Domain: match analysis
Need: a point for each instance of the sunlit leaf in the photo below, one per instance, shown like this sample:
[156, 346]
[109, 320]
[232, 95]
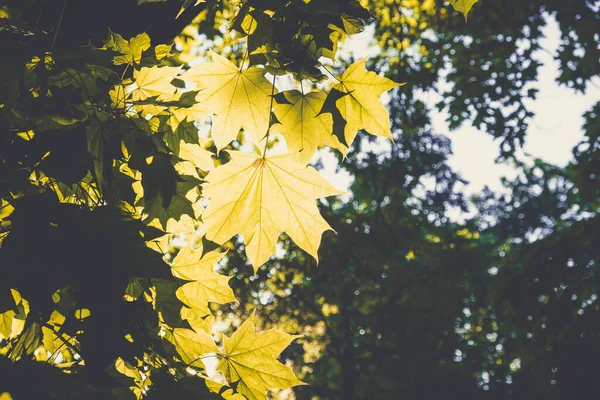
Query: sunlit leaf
[301, 124]
[362, 108]
[6, 319]
[132, 50]
[198, 156]
[191, 345]
[239, 99]
[206, 285]
[260, 198]
[463, 6]
[251, 361]
[153, 83]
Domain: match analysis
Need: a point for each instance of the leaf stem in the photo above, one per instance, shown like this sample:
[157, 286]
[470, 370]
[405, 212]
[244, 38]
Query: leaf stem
[124, 72]
[331, 73]
[246, 53]
[270, 117]
[62, 14]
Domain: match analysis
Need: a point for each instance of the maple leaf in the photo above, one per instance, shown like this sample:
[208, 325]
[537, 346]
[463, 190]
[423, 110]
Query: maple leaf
[177, 115]
[132, 50]
[153, 83]
[362, 108]
[118, 94]
[191, 345]
[302, 125]
[261, 197]
[463, 6]
[251, 360]
[239, 99]
[206, 285]
[198, 156]
[226, 392]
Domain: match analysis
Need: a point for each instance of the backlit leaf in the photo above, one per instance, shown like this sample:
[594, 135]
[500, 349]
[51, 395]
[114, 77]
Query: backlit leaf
[132, 50]
[301, 124]
[153, 83]
[6, 319]
[198, 156]
[191, 345]
[362, 108]
[239, 99]
[463, 6]
[251, 361]
[260, 198]
[206, 285]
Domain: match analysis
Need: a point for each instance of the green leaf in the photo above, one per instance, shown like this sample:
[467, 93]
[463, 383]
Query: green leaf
[132, 50]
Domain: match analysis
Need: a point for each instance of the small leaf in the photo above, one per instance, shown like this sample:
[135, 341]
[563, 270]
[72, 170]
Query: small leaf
[205, 284]
[154, 83]
[132, 50]
[362, 108]
[6, 319]
[302, 125]
[463, 6]
[251, 361]
[162, 50]
[82, 313]
[191, 345]
[198, 156]
[239, 99]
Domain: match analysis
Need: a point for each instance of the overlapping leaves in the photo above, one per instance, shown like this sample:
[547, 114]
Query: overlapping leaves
[143, 159]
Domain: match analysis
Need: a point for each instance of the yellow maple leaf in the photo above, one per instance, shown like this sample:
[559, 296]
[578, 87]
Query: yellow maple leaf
[118, 94]
[197, 155]
[303, 128]
[225, 391]
[361, 107]
[191, 345]
[206, 285]
[261, 197]
[463, 6]
[132, 50]
[153, 83]
[177, 115]
[239, 99]
[251, 360]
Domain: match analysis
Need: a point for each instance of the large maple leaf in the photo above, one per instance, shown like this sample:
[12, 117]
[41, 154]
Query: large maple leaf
[361, 107]
[302, 125]
[239, 99]
[261, 197]
[251, 361]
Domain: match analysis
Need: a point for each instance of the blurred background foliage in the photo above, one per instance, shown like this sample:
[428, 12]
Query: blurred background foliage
[406, 303]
